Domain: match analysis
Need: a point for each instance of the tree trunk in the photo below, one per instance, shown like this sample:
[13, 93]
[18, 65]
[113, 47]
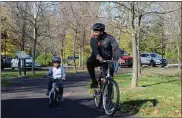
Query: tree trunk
[82, 58]
[138, 44]
[179, 63]
[83, 49]
[134, 48]
[74, 56]
[34, 44]
[62, 47]
[64, 54]
[120, 32]
[79, 56]
[139, 60]
[74, 40]
[23, 38]
[33, 54]
[24, 29]
[135, 62]
[179, 46]
[62, 62]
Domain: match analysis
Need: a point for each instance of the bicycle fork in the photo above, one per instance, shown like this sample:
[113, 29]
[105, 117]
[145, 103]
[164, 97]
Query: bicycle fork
[52, 91]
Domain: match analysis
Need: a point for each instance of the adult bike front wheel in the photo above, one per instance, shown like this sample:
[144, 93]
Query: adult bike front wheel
[52, 99]
[97, 97]
[111, 97]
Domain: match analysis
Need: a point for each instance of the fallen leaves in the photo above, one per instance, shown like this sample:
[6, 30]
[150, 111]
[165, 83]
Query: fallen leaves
[156, 111]
[177, 111]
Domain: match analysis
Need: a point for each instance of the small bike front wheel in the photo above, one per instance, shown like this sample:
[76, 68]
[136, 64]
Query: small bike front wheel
[111, 97]
[52, 99]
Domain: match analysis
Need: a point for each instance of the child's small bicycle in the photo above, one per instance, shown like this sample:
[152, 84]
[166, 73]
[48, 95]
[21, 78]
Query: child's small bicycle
[54, 96]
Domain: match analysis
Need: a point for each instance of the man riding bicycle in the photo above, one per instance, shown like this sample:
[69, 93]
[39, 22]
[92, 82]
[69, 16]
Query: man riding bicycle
[104, 46]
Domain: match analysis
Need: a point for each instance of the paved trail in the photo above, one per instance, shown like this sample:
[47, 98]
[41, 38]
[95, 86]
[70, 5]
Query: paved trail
[26, 99]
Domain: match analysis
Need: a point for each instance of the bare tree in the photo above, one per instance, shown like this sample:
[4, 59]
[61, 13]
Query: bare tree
[139, 13]
[79, 26]
[34, 20]
[172, 31]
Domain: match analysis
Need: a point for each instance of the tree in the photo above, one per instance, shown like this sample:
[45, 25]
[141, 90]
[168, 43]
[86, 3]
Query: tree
[34, 22]
[139, 13]
[78, 27]
[172, 31]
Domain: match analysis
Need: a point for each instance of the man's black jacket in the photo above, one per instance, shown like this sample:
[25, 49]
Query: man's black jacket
[105, 46]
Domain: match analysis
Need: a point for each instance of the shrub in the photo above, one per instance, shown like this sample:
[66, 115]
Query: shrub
[45, 59]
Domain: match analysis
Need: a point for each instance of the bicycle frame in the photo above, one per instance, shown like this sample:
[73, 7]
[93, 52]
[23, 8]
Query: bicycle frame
[108, 76]
[53, 90]
[106, 90]
[109, 63]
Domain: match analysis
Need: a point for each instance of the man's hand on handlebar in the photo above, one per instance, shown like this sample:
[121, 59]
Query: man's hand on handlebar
[121, 60]
[98, 57]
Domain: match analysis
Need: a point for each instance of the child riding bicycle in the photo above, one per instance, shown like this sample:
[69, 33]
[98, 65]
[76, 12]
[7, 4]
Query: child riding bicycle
[56, 71]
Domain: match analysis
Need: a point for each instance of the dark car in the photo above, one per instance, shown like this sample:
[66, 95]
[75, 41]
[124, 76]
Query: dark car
[128, 60]
[2, 62]
[5, 62]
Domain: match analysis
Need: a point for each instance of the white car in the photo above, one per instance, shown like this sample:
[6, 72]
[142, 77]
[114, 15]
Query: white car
[14, 63]
[152, 59]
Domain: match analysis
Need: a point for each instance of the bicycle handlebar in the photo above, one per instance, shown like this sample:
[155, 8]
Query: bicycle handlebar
[53, 78]
[106, 61]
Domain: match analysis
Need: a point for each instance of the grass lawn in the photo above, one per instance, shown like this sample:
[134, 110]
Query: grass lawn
[10, 75]
[158, 93]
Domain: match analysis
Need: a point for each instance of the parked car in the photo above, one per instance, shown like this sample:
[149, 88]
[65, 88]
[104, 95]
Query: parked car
[128, 60]
[152, 59]
[71, 59]
[5, 62]
[28, 62]
[2, 63]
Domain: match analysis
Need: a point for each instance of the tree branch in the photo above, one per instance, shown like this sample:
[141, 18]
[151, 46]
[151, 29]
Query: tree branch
[155, 12]
[123, 5]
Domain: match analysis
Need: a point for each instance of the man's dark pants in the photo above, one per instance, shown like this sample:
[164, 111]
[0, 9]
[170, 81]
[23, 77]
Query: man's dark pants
[92, 62]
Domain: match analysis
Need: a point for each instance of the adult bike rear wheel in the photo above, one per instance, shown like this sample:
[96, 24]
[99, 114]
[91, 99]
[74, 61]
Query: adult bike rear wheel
[52, 99]
[111, 97]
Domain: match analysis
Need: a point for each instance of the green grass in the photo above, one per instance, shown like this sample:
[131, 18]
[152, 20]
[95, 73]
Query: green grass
[157, 95]
[10, 75]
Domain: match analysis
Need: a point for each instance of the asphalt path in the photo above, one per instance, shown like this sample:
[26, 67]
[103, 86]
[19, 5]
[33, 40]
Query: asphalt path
[26, 98]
